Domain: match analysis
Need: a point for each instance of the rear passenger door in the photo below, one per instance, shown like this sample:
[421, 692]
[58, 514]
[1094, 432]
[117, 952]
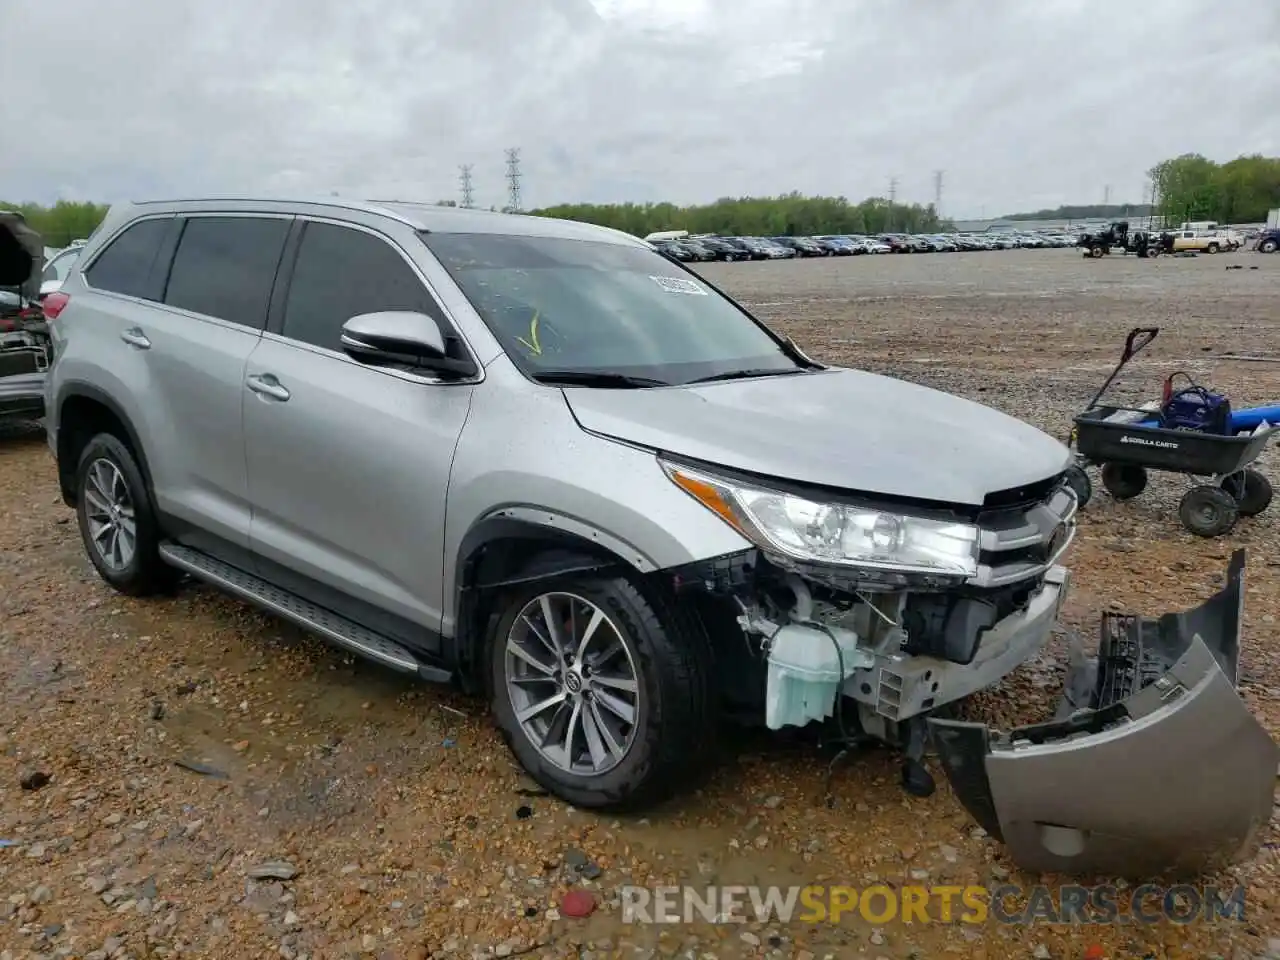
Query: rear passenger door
[216, 295]
[349, 464]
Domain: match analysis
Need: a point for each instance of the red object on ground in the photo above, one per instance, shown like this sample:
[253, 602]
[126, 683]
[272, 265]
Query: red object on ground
[577, 903]
[1095, 952]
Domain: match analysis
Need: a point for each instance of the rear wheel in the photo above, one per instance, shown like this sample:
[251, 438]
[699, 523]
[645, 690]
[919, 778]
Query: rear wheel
[1251, 491]
[1208, 511]
[602, 694]
[117, 522]
[1269, 246]
[1123, 481]
[1095, 251]
[1213, 248]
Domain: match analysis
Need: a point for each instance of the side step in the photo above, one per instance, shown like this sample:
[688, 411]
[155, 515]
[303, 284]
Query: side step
[315, 619]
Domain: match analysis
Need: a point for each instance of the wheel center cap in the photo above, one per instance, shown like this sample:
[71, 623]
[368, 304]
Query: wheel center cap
[572, 682]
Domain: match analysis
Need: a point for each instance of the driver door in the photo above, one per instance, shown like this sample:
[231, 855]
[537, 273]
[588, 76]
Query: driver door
[349, 464]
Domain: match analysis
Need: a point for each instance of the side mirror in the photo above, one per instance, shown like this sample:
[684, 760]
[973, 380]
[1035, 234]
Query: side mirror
[401, 338]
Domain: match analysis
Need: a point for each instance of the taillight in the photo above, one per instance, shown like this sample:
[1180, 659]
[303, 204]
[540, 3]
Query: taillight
[54, 304]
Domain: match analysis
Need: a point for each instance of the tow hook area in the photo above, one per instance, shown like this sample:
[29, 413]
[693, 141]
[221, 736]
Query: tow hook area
[1154, 765]
[916, 778]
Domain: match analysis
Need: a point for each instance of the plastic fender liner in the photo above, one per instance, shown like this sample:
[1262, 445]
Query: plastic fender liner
[1156, 767]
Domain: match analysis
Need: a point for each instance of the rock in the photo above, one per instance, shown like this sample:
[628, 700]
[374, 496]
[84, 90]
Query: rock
[877, 938]
[773, 802]
[96, 885]
[1041, 952]
[33, 780]
[41, 895]
[273, 870]
[749, 938]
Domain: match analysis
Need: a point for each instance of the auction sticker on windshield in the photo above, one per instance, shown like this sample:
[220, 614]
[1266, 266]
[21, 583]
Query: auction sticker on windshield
[679, 285]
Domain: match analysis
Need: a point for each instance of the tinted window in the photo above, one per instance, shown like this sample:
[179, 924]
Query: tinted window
[599, 307]
[341, 273]
[125, 265]
[225, 267]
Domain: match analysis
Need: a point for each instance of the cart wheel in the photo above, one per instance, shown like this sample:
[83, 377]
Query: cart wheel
[1208, 511]
[1251, 490]
[1078, 480]
[1124, 481]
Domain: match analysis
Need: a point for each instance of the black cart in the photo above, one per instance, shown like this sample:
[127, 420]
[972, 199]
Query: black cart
[1126, 450]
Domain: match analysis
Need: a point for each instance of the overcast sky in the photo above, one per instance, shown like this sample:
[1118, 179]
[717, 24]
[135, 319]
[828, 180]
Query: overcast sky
[1023, 103]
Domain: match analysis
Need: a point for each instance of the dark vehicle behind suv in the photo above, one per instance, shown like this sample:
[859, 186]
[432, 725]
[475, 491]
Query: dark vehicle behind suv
[1268, 241]
[803, 246]
[24, 336]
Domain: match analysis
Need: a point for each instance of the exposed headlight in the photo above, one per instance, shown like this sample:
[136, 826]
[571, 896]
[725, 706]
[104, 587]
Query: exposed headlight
[839, 534]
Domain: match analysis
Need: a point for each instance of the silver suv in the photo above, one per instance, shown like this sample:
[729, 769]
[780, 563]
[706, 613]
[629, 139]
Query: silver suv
[541, 460]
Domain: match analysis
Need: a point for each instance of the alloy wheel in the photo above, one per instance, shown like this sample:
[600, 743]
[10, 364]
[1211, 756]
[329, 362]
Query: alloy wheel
[572, 682]
[113, 529]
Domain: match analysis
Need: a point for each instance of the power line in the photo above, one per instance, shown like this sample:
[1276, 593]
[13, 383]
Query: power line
[465, 181]
[513, 179]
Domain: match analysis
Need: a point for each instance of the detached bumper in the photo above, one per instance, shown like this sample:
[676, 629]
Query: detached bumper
[1154, 763]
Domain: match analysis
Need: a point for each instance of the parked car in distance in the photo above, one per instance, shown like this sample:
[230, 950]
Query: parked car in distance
[1208, 242]
[57, 267]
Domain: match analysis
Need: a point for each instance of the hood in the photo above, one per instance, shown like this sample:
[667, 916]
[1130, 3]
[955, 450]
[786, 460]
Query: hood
[21, 254]
[839, 428]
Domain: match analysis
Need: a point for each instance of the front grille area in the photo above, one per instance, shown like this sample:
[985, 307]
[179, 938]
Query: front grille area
[1021, 541]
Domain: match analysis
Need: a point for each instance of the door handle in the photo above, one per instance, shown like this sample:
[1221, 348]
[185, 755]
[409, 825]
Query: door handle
[134, 337]
[267, 386]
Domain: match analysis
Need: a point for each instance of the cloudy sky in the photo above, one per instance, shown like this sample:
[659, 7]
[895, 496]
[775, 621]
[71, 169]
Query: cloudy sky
[1023, 103]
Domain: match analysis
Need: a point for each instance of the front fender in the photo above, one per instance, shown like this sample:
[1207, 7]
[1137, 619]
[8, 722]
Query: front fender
[1154, 766]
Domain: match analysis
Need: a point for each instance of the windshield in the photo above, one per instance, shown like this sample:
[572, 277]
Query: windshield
[596, 307]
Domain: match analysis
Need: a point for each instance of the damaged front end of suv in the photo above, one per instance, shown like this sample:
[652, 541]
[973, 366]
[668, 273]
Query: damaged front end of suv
[904, 609]
[1153, 765]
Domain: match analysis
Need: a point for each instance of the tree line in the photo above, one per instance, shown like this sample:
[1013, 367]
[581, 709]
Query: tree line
[1189, 187]
[1192, 187]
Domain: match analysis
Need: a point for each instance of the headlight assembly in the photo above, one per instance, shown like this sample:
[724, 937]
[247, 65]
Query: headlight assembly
[839, 534]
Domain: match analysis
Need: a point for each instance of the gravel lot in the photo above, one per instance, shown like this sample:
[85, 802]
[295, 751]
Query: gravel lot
[406, 830]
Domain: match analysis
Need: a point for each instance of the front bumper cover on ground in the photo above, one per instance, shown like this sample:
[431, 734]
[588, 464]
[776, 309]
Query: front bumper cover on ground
[1154, 764]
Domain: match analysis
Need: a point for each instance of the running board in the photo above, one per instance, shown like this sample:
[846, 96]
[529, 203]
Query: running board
[336, 629]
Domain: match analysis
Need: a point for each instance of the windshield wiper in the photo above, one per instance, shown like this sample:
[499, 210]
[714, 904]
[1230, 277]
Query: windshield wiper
[590, 378]
[748, 374]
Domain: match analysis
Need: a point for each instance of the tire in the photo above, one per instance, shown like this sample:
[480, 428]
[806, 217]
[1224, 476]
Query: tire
[1095, 252]
[1251, 491]
[1078, 480]
[1213, 248]
[110, 485]
[1208, 511]
[1123, 480]
[666, 652]
[1268, 246]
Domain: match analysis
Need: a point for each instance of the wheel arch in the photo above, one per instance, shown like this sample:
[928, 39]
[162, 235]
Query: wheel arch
[83, 411]
[499, 552]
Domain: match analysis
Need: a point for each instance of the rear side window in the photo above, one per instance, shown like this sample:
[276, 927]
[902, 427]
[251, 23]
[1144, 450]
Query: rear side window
[125, 265]
[225, 267]
[341, 273]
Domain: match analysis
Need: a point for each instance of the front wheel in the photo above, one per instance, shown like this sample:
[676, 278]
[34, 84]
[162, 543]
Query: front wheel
[1250, 489]
[1268, 246]
[1078, 480]
[601, 693]
[1095, 252]
[1213, 248]
[1208, 511]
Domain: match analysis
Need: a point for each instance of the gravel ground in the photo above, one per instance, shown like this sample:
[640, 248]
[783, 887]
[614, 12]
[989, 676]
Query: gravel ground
[385, 819]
